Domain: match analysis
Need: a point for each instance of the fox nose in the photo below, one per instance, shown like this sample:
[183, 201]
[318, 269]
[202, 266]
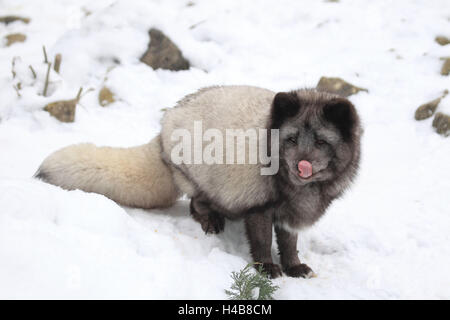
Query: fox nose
[305, 169]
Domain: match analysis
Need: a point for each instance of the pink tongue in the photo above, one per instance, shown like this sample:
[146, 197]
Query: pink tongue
[305, 169]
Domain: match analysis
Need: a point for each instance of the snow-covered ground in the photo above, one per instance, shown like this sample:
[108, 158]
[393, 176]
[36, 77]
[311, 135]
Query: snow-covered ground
[389, 237]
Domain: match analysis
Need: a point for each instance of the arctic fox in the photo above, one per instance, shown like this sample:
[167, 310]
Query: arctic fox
[318, 152]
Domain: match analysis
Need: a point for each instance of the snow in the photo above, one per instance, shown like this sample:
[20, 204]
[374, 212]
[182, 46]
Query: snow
[388, 238]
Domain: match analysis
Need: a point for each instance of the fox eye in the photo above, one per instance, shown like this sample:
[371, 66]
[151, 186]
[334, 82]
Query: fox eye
[292, 140]
[320, 142]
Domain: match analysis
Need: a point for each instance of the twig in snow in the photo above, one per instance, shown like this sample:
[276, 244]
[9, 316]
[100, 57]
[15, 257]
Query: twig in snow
[57, 65]
[45, 54]
[32, 71]
[13, 65]
[79, 94]
[18, 87]
[195, 25]
[47, 79]
[86, 92]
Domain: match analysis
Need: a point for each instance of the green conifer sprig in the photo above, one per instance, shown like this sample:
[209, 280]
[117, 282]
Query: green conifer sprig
[248, 282]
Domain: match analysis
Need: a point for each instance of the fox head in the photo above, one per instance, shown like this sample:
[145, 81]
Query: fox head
[319, 136]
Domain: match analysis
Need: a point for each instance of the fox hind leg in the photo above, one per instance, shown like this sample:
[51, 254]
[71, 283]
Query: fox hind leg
[210, 220]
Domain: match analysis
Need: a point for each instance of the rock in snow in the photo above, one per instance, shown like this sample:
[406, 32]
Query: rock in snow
[163, 53]
[105, 97]
[445, 71]
[442, 124]
[63, 110]
[10, 19]
[443, 41]
[338, 86]
[426, 110]
[15, 37]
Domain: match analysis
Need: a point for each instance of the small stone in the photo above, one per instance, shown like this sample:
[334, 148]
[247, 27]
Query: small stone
[105, 97]
[9, 19]
[338, 86]
[443, 41]
[445, 71]
[163, 53]
[442, 123]
[63, 110]
[426, 110]
[15, 37]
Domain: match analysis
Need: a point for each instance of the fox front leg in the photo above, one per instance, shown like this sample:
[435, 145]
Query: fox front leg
[259, 233]
[287, 245]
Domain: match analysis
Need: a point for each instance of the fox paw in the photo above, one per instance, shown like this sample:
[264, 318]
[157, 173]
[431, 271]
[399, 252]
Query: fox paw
[210, 222]
[273, 270]
[300, 270]
[213, 224]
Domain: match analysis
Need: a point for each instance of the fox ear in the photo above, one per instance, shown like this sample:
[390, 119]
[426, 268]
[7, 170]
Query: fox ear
[285, 105]
[341, 113]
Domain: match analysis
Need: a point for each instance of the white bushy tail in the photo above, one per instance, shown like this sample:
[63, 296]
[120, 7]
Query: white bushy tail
[135, 177]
